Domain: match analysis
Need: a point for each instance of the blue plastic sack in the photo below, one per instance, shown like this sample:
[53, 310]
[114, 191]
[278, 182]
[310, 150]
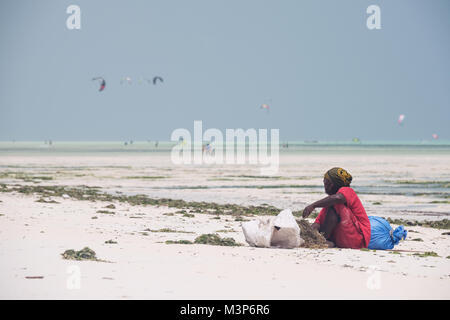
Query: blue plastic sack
[382, 235]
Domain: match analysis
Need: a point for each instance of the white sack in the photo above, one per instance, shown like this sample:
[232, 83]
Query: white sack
[258, 233]
[286, 233]
[281, 231]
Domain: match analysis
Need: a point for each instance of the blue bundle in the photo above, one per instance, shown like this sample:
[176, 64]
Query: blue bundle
[382, 236]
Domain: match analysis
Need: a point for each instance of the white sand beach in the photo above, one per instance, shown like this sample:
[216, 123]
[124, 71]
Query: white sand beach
[141, 265]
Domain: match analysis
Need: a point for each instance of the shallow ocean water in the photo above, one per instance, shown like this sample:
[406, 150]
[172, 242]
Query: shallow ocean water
[396, 179]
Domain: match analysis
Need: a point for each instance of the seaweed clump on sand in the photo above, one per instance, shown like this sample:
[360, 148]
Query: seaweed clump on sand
[427, 254]
[438, 224]
[313, 238]
[84, 254]
[42, 200]
[216, 240]
[105, 212]
[94, 194]
[178, 242]
[168, 230]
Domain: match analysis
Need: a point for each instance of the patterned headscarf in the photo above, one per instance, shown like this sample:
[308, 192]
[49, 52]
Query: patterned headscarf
[339, 177]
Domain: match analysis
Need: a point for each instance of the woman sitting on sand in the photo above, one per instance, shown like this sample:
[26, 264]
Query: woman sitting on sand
[343, 220]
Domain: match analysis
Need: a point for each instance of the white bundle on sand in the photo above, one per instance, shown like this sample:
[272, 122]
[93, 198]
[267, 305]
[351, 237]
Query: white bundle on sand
[286, 233]
[258, 233]
[281, 231]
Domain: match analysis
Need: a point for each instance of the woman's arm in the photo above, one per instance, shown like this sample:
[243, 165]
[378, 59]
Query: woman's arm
[324, 203]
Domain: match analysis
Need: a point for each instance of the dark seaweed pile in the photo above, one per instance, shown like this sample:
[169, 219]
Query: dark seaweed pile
[84, 254]
[313, 239]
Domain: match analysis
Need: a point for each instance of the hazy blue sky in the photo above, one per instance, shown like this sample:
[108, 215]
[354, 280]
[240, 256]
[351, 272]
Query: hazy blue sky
[325, 75]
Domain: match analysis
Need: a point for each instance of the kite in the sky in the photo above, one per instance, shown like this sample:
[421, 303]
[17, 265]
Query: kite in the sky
[102, 83]
[400, 119]
[265, 106]
[435, 136]
[125, 79]
[156, 79]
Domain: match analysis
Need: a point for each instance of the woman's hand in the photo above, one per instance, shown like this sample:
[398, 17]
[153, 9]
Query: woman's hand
[316, 226]
[307, 211]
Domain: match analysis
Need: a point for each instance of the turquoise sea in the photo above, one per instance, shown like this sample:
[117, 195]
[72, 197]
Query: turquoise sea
[434, 146]
[400, 177]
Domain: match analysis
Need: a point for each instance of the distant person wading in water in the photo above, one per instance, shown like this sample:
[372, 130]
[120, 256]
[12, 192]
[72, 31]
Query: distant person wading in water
[343, 220]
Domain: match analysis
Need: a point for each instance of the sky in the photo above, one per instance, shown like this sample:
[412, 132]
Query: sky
[323, 73]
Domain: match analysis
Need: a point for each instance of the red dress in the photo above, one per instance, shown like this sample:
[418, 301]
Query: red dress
[353, 229]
